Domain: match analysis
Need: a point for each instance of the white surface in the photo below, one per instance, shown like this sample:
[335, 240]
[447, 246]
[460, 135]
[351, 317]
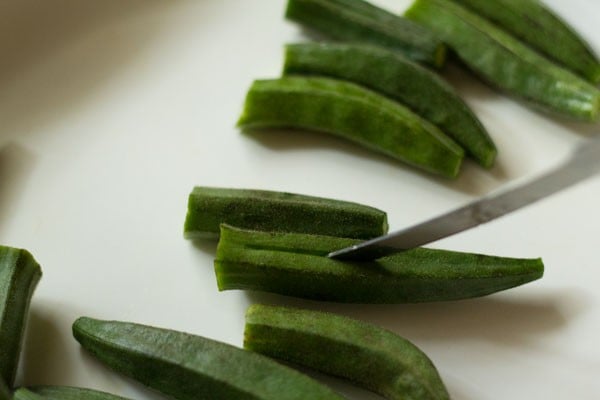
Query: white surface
[111, 111]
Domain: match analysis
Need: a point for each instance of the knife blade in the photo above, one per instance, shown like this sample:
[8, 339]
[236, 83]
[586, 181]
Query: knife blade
[582, 163]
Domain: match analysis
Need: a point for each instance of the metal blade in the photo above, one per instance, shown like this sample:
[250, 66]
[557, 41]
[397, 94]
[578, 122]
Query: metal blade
[581, 164]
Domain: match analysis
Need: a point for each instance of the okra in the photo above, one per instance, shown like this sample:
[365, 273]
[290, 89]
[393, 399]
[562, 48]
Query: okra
[19, 275]
[539, 27]
[370, 356]
[394, 76]
[506, 62]
[71, 393]
[297, 265]
[209, 207]
[361, 22]
[188, 367]
[354, 113]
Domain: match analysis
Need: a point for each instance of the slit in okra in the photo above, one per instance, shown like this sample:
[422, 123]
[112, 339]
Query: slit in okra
[297, 265]
[353, 113]
[359, 21]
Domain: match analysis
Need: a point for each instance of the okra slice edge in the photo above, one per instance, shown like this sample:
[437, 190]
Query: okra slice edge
[190, 367]
[370, 356]
[394, 76]
[208, 207]
[354, 113]
[19, 275]
[297, 265]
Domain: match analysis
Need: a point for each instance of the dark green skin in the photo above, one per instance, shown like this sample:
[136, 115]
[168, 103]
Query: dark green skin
[4, 392]
[354, 113]
[19, 275]
[392, 75]
[71, 393]
[188, 367]
[209, 207]
[536, 25]
[361, 22]
[370, 356]
[507, 63]
[297, 265]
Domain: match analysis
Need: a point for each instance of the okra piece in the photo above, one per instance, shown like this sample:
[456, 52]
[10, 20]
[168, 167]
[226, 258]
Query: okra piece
[263, 210]
[539, 27]
[361, 22]
[19, 275]
[297, 265]
[370, 356]
[71, 393]
[188, 367]
[354, 113]
[394, 76]
[506, 62]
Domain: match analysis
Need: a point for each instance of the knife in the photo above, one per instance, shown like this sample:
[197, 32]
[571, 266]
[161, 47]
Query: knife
[582, 163]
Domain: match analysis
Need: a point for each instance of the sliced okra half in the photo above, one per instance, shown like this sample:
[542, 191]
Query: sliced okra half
[354, 113]
[389, 73]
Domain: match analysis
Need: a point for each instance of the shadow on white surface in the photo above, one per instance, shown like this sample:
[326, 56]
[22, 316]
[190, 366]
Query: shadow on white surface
[45, 346]
[16, 164]
[57, 53]
[472, 179]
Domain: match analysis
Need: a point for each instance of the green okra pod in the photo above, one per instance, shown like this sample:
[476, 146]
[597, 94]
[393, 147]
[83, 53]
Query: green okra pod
[507, 63]
[360, 21]
[354, 113]
[209, 207]
[189, 367]
[392, 75]
[370, 356]
[70, 393]
[539, 27]
[297, 265]
[19, 275]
